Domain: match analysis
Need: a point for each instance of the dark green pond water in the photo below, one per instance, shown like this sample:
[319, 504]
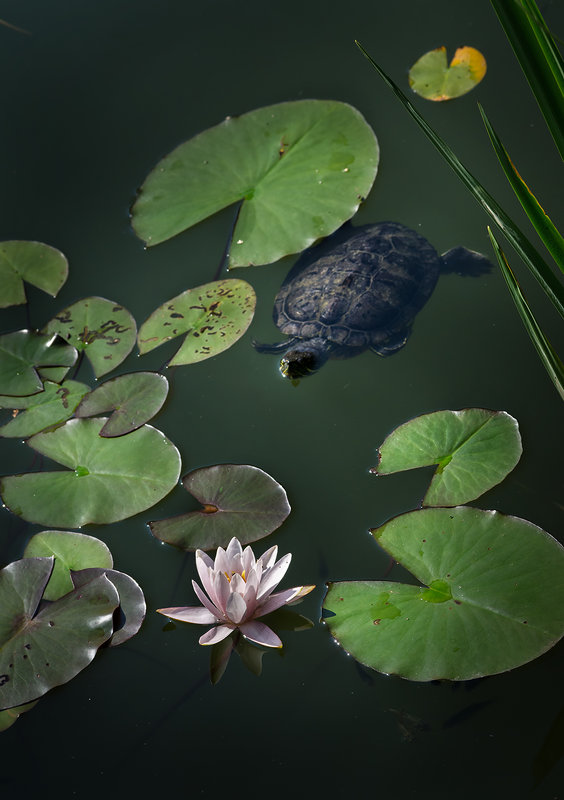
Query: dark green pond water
[91, 99]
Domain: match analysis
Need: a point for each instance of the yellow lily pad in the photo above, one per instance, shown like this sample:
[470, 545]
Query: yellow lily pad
[433, 79]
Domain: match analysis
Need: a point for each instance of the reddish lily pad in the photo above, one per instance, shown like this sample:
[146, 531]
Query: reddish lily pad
[238, 500]
[433, 79]
[134, 398]
[23, 353]
[103, 329]
[33, 262]
[40, 650]
[213, 317]
[39, 411]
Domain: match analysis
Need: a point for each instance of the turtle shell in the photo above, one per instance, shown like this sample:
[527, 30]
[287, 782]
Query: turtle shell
[361, 287]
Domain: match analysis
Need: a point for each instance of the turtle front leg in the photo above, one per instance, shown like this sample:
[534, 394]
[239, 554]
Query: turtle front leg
[279, 347]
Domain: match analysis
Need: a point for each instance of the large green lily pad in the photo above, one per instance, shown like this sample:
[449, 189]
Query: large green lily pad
[301, 169]
[106, 480]
[41, 650]
[491, 599]
[433, 79]
[213, 317]
[237, 500]
[134, 398]
[23, 353]
[103, 329]
[474, 449]
[39, 411]
[72, 551]
[34, 262]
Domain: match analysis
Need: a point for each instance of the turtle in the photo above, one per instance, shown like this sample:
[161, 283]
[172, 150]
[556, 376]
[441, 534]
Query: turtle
[359, 289]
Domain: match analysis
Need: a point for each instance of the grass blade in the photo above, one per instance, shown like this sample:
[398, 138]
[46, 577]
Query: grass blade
[537, 265]
[539, 58]
[548, 356]
[544, 226]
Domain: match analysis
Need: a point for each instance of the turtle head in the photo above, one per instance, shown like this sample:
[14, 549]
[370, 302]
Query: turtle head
[304, 358]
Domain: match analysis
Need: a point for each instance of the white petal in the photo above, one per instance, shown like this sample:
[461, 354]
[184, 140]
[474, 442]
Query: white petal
[234, 549]
[215, 635]
[248, 561]
[286, 597]
[194, 614]
[204, 565]
[237, 584]
[236, 608]
[273, 576]
[268, 558]
[221, 562]
[260, 633]
[222, 590]
[205, 601]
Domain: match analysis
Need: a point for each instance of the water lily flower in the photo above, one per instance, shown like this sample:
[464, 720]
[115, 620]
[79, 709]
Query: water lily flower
[239, 589]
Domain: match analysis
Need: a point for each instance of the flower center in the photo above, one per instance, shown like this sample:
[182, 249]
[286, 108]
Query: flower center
[229, 575]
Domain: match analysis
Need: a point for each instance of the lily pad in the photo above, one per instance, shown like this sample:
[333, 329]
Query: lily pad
[107, 479]
[132, 605]
[301, 169]
[473, 448]
[103, 329]
[238, 500]
[11, 715]
[433, 79]
[135, 398]
[50, 407]
[41, 650]
[72, 551]
[492, 599]
[22, 353]
[214, 316]
[34, 262]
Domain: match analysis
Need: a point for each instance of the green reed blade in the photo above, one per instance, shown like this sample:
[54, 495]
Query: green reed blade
[544, 226]
[548, 356]
[539, 58]
[532, 258]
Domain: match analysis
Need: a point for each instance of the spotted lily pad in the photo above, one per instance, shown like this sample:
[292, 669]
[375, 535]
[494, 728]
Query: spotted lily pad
[301, 169]
[491, 599]
[106, 480]
[33, 262]
[39, 411]
[237, 500]
[474, 449]
[433, 79]
[213, 317]
[22, 353]
[72, 551]
[132, 605]
[40, 650]
[134, 398]
[103, 329]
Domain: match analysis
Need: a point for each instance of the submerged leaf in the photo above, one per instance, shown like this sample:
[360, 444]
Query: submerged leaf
[495, 598]
[104, 330]
[301, 169]
[134, 398]
[106, 480]
[41, 650]
[34, 262]
[50, 407]
[72, 551]
[22, 353]
[474, 449]
[214, 316]
[238, 500]
[433, 79]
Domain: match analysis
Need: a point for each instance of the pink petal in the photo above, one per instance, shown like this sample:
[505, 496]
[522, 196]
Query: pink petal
[234, 554]
[268, 558]
[222, 590]
[204, 565]
[236, 609]
[274, 601]
[215, 635]
[260, 633]
[273, 576]
[302, 591]
[248, 561]
[205, 601]
[195, 614]
[237, 584]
